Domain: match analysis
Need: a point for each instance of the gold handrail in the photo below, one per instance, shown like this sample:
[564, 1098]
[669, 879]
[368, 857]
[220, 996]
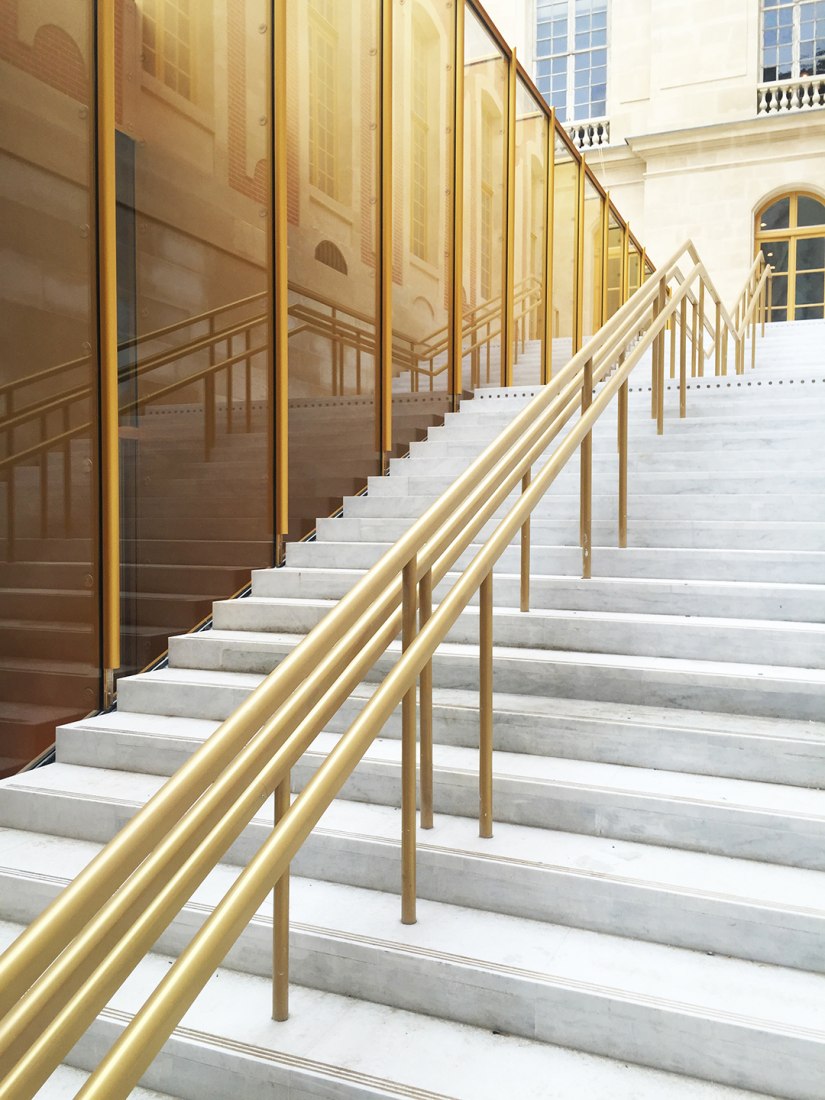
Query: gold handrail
[63, 969]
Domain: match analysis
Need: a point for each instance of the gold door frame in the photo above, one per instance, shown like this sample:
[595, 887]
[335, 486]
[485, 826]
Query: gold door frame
[763, 238]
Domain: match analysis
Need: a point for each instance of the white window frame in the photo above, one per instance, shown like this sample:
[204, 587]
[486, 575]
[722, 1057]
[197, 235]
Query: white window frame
[571, 53]
[796, 40]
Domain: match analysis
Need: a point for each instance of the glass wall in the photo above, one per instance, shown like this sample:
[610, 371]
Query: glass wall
[565, 200]
[530, 236]
[485, 165]
[591, 305]
[197, 259]
[423, 55]
[615, 264]
[49, 470]
[194, 365]
[634, 268]
[333, 70]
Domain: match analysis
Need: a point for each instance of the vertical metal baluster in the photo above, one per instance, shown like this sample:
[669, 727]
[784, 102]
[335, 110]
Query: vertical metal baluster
[248, 380]
[673, 345]
[425, 706]
[44, 482]
[485, 707]
[586, 476]
[717, 347]
[694, 348]
[280, 920]
[524, 595]
[753, 340]
[683, 323]
[408, 761]
[660, 363]
[701, 327]
[623, 393]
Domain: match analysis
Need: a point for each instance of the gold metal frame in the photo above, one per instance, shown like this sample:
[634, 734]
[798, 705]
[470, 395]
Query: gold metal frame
[107, 343]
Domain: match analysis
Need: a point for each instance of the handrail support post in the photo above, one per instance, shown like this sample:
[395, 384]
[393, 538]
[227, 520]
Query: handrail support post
[280, 920]
[586, 476]
[408, 753]
[425, 706]
[485, 707]
[524, 593]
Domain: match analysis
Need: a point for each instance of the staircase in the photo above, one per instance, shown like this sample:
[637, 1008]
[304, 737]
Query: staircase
[649, 919]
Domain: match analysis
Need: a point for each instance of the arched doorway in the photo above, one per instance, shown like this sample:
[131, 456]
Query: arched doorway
[791, 232]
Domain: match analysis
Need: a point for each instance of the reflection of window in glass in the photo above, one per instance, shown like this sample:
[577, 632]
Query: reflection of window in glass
[488, 187]
[793, 39]
[571, 57]
[323, 85]
[166, 32]
[424, 57]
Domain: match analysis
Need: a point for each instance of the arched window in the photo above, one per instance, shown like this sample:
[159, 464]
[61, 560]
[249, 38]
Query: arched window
[790, 230]
[328, 253]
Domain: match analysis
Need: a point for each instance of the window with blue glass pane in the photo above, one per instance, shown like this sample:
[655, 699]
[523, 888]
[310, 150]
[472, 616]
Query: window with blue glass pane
[793, 39]
[573, 34]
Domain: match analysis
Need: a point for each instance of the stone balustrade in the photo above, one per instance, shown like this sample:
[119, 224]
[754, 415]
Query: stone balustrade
[588, 135]
[802, 94]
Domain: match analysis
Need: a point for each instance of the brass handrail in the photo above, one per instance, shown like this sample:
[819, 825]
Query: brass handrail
[63, 969]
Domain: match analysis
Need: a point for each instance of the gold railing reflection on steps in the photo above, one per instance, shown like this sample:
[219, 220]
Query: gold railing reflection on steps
[62, 971]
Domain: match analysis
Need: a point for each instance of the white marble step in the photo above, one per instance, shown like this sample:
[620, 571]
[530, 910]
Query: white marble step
[704, 534]
[67, 1082]
[708, 533]
[702, 469]
[678, 434]
[796, 505]
[756, 820]
[725, 687]
[655, 634]
[734, 1021]
[223, 1051]
[726, 599]
[750, 910]
[671, 563]
[701, 742]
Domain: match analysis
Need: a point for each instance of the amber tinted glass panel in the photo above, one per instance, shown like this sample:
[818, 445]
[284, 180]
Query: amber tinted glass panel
[49, 569]
[195, 401]
[530, 241]
[485, 156]
[565, 179]
[615, 265]
[422, 204]
[333, 182]
[634, 269]
[592, 284]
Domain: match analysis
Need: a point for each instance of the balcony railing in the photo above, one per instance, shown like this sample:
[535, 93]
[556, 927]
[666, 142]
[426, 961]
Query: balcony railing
[588, 135]
[802, 94]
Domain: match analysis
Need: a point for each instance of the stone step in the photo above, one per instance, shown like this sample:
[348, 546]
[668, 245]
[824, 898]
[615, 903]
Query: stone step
[784, 751]
[647, 466]
[675, 533]
[722, 1017]
[654, 634]
[731, 906]
[737, 600]
[673, 563]
[808, 507]
[216, 1056]
[726, 687]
